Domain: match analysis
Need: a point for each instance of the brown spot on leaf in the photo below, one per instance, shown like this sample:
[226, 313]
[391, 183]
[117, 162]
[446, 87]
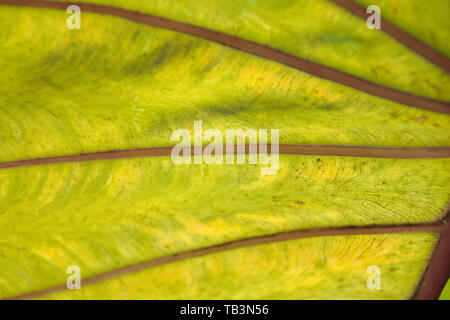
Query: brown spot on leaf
[421, 119]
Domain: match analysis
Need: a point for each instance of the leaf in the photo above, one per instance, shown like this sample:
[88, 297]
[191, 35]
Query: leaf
[120, 85]
[280, 271]
[432, 15]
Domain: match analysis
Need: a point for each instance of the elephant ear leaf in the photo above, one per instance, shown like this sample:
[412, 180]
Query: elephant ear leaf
[93, 206]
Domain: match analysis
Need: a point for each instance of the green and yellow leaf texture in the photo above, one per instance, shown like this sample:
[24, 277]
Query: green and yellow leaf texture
[221, 231]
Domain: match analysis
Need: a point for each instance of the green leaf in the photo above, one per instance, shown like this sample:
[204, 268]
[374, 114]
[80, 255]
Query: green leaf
[116, 84]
